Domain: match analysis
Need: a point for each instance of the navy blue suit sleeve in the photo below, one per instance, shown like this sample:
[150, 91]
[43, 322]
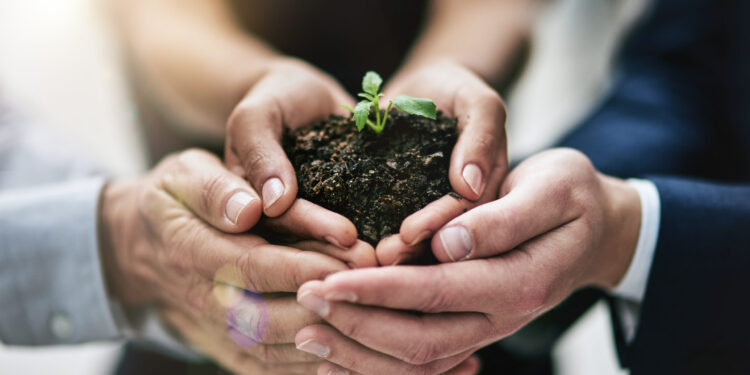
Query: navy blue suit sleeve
[695, 314]
[678, 109]
[669, 85]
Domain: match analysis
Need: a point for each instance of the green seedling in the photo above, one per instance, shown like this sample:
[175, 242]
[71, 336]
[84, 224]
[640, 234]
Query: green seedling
[371, 87]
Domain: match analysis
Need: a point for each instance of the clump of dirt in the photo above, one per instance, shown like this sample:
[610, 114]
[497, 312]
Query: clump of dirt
[376, 181]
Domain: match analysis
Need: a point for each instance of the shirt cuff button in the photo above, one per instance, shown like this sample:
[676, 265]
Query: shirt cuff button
[61, 326]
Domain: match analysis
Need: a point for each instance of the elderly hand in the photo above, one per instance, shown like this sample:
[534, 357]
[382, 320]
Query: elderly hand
[558, 226]
[479, 159]
[166, 240]
[290, 94]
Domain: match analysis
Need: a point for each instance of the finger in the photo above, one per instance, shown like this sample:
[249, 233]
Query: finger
[349, 354]
[223, 335]
[393, 251]
[201, 182]
[450, 287]
[190, 245]
[360, 255]
[261, 318]
[479, 159]
[416, 339]
[529, 210]
[255, 130]
[422, 225]
[306, 220]
[470, 366]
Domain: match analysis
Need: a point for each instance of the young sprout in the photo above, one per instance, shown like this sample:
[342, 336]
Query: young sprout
[371, 87]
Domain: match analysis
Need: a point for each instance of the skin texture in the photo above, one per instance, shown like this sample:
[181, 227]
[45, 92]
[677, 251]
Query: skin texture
[167, 241]
[558, 226]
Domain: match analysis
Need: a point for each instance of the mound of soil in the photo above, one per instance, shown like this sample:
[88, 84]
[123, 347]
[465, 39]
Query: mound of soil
[376, 181]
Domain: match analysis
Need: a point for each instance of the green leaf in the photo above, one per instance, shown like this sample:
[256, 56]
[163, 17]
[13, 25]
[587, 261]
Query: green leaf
[371, 83]
[348, 108]
[361, 112]
[366, 96]
[416, 106]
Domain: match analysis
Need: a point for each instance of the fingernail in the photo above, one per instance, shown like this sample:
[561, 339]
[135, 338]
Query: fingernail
[272, 191]
[456, 242]
[236, 204]
[473, 177]
[422, 236]
[315, 348]
[314, 303]
[333, 241]
[337, 371]
[342, 296]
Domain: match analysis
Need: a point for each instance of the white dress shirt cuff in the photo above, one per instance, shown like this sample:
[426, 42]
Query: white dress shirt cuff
[633, 286]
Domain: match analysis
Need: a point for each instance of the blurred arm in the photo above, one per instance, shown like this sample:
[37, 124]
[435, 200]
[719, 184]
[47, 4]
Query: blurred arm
[51, 284]
[483, 36]
[193, 58]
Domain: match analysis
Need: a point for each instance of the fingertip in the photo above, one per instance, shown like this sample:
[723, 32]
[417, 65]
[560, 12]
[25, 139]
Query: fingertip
[243, 210]
[392, 251]
[452, 243]
[308, 287]
[362, 255]
[344, 234]
[470, 366]
[278, 196]
[422, 224]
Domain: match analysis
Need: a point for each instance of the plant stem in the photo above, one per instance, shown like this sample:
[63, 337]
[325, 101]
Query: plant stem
[376, 106]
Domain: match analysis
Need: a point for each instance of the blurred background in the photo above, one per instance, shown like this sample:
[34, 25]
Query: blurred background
[60, 63]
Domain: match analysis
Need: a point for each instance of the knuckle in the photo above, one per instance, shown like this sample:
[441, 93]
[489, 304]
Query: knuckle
[188, 156]
[178, 237]
[255, 159]
[421, 352]
[211, 191]
[249, 268]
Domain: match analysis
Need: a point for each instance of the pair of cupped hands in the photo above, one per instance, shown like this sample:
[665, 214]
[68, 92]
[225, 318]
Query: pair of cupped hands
[187, 238]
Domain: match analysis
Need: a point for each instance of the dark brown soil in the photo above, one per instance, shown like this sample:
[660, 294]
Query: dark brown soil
[374, 180]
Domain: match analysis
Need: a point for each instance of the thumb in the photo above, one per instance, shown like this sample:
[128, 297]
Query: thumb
[216, 195]
[255, 130]
[501, 225]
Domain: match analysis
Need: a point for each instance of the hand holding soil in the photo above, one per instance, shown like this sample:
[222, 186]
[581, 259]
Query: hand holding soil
[291, 93]
[478, 162]
[378, 180]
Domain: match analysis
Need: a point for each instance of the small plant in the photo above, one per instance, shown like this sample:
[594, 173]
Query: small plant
[371, 87]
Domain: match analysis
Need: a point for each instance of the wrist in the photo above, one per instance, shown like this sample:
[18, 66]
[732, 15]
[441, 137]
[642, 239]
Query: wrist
[622, 227]
[115, 239]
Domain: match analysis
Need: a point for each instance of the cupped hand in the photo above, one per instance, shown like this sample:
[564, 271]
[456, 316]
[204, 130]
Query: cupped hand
[174, 238]
[478, 161]
[290, 94]
[558, 226]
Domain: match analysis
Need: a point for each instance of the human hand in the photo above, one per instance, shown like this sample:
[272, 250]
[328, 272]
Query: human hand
[558, 226]
[478, 161]
[204, 338]
[290, 94]
[164, 241]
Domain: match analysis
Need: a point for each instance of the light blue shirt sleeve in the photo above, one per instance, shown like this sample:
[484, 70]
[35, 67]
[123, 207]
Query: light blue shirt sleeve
[52, 289]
